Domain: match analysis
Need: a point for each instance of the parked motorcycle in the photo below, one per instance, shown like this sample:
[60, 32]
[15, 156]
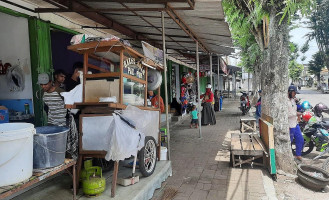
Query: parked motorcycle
[314, 135]
[314, 128]
[244, 103]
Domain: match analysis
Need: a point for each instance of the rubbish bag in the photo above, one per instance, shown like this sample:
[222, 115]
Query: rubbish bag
[123, 141]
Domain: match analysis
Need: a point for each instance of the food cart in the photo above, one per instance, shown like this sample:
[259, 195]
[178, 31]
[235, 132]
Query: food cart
[114, 76]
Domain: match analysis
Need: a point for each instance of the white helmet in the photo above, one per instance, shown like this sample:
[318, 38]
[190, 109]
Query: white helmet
[208, 86]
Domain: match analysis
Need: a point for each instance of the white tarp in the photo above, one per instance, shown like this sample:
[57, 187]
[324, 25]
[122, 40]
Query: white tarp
[145, 121]
[123, 141]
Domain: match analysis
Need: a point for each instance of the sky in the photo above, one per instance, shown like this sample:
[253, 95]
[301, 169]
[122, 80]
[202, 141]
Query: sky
[298, 37]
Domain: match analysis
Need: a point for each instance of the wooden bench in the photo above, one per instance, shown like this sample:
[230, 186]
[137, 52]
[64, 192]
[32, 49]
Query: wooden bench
[246, 148]
[248, 124]
[38, 176]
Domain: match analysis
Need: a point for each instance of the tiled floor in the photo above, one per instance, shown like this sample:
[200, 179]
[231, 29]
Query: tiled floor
[201, 167]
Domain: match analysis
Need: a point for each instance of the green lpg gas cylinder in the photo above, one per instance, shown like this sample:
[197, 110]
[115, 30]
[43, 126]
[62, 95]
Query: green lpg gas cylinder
[87, 164]
[94, 183]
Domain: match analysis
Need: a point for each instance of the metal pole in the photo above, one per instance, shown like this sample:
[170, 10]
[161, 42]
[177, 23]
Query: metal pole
[210, 57]
[198, 80]
[218, 72]
[165, 79]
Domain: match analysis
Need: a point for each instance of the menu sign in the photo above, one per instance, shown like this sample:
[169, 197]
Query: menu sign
[130, 67]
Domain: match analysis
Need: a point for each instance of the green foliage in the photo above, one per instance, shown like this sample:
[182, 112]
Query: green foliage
[293, 51]
[305, 48]
[241, 26]
[295, 70]
[290, 7]
[316, 64]
[319, 24]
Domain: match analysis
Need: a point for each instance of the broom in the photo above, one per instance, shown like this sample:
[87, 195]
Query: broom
[168, 194]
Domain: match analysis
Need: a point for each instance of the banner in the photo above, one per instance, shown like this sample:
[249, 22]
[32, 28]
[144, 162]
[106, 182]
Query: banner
[153, 53]
[224, 66]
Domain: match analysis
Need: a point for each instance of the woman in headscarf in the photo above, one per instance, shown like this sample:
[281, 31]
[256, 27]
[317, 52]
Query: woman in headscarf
[208, 113]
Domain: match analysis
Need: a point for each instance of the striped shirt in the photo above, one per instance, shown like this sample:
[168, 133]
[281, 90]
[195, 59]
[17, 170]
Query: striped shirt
[56, 112]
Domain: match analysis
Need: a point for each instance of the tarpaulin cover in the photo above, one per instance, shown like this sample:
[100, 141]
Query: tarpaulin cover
[144, 120]
[123, 141]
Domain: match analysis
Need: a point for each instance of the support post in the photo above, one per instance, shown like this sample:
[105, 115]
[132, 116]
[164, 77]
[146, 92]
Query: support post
[198, 80]
[218, 72]
[165, 79]
[210, 57]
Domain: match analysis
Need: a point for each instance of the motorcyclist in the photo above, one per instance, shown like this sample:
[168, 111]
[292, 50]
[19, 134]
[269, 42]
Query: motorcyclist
[294, 128]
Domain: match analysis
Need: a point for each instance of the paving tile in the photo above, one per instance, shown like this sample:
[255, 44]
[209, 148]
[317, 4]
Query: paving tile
[216, 195]
[199, 195]
[207, 186]
[201, 167]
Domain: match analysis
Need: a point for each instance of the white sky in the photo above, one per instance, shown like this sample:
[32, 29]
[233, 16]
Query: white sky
[298, 37]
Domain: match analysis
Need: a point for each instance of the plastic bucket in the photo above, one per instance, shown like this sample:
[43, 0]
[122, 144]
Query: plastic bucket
[163, 154]
[16, 152]
[49, 146]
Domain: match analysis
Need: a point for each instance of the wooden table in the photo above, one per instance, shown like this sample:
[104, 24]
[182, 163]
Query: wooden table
[7, 191]
[248, 124]
[246, 148]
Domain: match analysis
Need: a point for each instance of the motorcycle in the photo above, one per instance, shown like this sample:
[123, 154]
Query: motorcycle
[314, 135]
[244, 103]
[314, 128]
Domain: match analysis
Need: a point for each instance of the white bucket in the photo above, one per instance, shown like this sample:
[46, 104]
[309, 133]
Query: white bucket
[16, 152]
[163, 154]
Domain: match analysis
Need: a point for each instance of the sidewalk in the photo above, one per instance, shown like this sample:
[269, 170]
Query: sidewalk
[201, 166]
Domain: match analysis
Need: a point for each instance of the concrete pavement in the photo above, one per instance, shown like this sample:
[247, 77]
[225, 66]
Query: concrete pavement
[201, 167]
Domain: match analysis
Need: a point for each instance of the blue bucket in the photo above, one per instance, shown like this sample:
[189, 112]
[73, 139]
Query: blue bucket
[49, 146]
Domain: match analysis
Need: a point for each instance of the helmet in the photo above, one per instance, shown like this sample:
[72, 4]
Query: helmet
[306, 105]
[319, 108]
[307, 116]
[292, 88]
[208, 86]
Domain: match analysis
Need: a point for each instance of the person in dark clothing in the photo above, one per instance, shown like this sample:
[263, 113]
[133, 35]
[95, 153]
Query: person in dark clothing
[74, 80]
[59, 79]
[208, 113]
[216, 98]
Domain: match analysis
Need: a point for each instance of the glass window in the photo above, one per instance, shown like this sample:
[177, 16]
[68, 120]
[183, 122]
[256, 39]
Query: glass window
[134, 92]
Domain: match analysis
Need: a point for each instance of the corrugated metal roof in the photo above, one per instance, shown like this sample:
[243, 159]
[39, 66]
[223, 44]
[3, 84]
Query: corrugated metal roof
[205, 22]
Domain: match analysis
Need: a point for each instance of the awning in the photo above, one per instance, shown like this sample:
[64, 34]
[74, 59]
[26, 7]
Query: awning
[186, 21]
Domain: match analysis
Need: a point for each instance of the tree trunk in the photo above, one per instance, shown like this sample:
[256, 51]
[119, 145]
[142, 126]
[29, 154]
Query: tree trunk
[275, 89]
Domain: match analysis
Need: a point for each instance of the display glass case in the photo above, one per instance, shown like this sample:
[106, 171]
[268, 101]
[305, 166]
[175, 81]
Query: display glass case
[134, 92]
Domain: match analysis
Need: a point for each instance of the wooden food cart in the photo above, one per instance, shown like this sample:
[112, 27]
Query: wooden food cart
[117, 71]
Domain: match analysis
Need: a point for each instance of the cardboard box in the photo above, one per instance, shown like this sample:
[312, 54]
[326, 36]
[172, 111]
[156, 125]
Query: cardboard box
[4, 115]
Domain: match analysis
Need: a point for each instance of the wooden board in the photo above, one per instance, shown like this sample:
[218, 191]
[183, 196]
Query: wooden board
[256, 145]
[94, 89]
[246, 143]
[266, 133]
[266, 130]
[267, 118]
[235, 142]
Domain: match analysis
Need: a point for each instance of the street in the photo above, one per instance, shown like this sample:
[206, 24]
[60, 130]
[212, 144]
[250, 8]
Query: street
[313, 96]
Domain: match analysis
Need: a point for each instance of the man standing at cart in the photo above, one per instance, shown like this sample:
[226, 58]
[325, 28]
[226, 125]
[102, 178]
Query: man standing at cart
[155, 100]
[53, 100]
[74, 80]
[59, 79]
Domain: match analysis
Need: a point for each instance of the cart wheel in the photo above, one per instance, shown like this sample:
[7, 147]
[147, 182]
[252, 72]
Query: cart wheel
[147, 157]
